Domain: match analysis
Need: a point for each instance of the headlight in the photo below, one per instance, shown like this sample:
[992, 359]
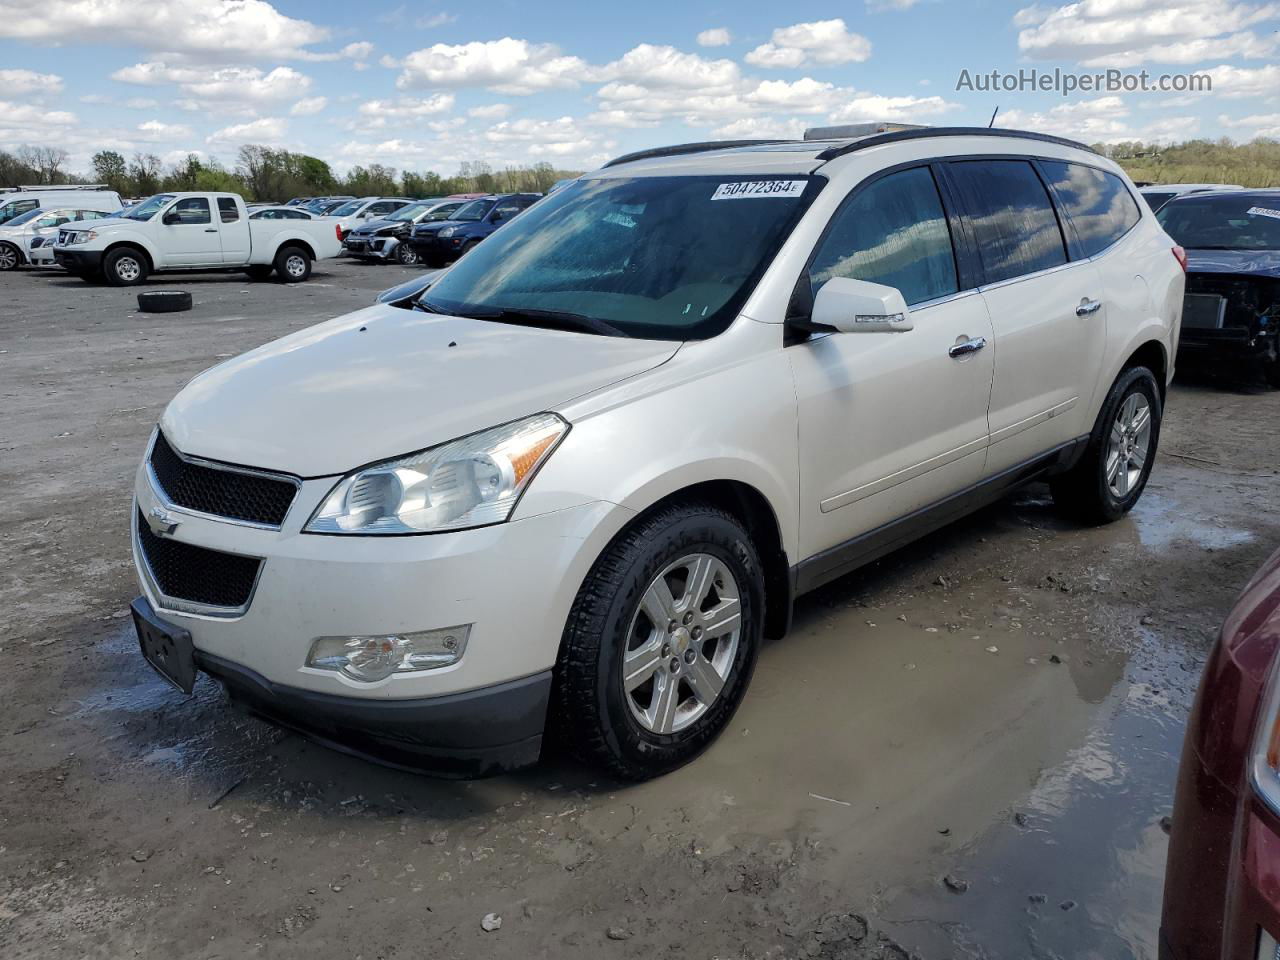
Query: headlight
[448, 231]
[469, 482]
[1265, 759]
[375, 658]
[82, 236]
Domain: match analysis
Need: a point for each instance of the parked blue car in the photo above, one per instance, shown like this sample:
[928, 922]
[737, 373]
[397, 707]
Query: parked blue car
[445, 240]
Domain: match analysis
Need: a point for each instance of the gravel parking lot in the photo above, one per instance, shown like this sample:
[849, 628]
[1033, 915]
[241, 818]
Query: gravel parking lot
[965, 750]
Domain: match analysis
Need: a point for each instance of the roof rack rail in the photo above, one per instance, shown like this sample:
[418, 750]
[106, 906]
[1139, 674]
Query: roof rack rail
[925, 132]
[680, 149]
[62, 186]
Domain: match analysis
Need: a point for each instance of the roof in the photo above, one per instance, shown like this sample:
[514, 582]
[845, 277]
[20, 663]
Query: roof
[1188, 187]
[805, 156]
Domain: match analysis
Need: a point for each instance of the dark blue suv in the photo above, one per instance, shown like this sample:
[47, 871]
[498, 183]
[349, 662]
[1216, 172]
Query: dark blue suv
[446, 240]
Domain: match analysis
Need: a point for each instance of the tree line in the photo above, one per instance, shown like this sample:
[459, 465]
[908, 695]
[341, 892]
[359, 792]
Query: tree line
[266, 174]
[1253, 164]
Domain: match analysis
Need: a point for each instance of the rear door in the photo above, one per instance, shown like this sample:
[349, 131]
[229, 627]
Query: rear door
[191, 240]
[234, 230]
[1045, 309]
[891, 422]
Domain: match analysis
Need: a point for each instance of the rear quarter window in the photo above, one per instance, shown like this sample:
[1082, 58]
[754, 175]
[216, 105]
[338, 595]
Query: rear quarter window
[1013, 221]
[1098, 205]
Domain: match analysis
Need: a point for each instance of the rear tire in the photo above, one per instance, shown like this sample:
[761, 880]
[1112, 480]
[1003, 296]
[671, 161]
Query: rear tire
[1111, 475]
[292, 265]
[125, 267]
[638, 696]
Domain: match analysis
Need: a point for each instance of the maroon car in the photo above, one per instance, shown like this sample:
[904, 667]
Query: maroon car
[1222, 886]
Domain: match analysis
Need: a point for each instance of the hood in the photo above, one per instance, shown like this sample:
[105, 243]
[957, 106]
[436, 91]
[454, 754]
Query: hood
[1262, 263]
[371, 227]
[99, 224]
[383, 382]
[435, 226]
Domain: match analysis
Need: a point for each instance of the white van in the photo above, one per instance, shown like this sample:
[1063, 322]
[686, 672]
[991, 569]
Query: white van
[14, 203]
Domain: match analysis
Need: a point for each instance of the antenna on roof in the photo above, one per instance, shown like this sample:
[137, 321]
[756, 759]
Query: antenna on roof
[992, 122]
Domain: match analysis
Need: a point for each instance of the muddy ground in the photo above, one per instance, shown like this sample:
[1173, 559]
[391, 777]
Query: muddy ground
[1001, 704]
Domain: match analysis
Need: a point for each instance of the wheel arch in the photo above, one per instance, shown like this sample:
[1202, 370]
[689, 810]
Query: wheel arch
[1152, 355]
[295, 241]
[753, 509]
[133, 245]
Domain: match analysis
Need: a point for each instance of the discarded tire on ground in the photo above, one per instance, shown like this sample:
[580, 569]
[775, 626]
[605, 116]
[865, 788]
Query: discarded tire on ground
[164, 301]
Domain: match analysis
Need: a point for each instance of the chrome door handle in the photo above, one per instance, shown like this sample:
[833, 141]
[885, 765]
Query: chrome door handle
[1088, 307]
[966, 347]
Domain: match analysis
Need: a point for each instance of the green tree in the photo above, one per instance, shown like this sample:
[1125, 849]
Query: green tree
[109, 167]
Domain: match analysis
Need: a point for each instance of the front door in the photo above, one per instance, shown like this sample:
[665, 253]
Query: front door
[890, 422]
[191, 241]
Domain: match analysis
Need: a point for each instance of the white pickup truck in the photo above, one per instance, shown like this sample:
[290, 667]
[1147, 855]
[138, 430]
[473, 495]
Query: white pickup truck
[193, 231]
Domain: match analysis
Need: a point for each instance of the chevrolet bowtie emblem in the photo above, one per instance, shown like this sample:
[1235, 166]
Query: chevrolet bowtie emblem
[161, 521]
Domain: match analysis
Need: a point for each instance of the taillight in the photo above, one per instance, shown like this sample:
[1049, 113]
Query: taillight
[1265, 758]
[1181, 256]
[337, 230]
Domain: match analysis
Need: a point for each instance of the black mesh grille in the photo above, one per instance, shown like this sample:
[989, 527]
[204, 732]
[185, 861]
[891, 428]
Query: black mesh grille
[184, 571]
[223, 493]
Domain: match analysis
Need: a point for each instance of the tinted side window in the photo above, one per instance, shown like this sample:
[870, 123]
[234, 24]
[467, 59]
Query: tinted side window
[1098, 204]
[192, 210]
[228, 210]
[893, 232]
[1014, 224]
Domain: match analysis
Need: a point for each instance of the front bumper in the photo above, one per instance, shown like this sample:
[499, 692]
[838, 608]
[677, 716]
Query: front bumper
[1229, 342]
[78, 261]
[370, 248]
[433, 243]
[513, 583]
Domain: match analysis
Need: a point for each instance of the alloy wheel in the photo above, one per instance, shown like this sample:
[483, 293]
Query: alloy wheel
[1129, 445]
[682, 643]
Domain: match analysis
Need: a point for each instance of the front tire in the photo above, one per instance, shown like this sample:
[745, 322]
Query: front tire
[10, 257]
[125, 267]
[661, 642]
[292, 264]
[405, 255]
[1113, 472]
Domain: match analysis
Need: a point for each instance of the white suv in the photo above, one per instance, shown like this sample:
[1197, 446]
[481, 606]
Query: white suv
[581, 477]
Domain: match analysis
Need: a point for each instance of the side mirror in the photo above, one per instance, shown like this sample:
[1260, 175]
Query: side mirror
[858, 306]
[172, 217]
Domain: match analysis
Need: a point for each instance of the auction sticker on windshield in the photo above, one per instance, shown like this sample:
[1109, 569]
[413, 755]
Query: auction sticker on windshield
[747, 189]
[1260, 212]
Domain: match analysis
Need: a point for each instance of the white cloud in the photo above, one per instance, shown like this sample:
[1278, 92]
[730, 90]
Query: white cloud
[715, 37]
[761, 128]
[879, 6]
[262, 130]
[158, 130]
[822, 42]
[1258, 124]
[308, 106]
[432, 20]
[656, 66]
[199, 29]
[29, 83]
[1239, 82]
[1100, 120]
[375, 114]
[490, 111]
[362, 50]
[1123, 33]
[224, 87]
[508, 66]
[543, 138]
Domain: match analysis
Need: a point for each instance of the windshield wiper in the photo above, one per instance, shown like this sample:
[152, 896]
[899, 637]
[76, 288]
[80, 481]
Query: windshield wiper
[547, 318]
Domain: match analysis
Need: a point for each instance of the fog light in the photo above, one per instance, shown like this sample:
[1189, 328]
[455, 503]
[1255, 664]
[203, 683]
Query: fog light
[375, 658]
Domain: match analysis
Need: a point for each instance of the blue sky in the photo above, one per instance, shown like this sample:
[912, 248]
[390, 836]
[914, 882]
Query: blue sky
[432, 85]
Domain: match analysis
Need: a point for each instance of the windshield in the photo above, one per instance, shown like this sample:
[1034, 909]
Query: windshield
[1233, 222]
[347, 209]
[405, 214]
[669, 258]
[25, 217]
[148, 208]
[475, 210]
[443, 212]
